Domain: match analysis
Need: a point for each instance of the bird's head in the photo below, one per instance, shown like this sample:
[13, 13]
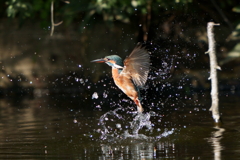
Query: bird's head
[113, 60]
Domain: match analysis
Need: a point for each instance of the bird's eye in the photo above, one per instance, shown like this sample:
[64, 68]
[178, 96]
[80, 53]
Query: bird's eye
[107, 59]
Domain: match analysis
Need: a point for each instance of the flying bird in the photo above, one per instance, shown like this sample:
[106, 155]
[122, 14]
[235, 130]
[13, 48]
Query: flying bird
[131, 74]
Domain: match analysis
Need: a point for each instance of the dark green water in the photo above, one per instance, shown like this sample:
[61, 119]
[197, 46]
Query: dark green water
[61, 128]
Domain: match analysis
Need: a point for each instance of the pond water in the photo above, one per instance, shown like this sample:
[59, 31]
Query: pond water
[60, 128]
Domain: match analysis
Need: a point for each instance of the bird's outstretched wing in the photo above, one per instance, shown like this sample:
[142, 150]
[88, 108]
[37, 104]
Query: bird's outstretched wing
[137, 65]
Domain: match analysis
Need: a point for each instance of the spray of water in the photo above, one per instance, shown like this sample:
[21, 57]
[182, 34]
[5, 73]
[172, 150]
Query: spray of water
[117, 126]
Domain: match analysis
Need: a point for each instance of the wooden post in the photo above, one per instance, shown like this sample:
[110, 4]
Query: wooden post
[213, 71]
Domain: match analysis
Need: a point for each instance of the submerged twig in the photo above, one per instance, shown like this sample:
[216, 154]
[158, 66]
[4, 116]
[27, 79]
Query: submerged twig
[213, 71]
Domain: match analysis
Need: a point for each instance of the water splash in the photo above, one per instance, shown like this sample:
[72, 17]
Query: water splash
[106, 130]
[116, 126]
[141, 120]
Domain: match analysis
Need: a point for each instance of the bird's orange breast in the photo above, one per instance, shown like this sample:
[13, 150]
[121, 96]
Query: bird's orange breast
[125, 83]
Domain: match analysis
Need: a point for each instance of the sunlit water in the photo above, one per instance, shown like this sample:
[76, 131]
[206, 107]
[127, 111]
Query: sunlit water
[64, 128]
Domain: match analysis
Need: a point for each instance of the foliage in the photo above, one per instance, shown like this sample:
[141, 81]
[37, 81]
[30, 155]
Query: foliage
[33, 9]
[110, 10]
[87, 12]
[20, 7]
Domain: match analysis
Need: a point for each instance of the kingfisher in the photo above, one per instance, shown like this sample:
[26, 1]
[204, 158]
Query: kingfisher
[131, 74]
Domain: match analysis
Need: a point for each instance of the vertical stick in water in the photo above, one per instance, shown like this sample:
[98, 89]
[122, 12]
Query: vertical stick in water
[213, 71]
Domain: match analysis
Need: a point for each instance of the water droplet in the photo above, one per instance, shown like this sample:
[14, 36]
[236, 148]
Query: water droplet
[164, 64]
[118, 125]
[98, 106]
[95, 95]
[105, 95]
[81, 81]
[180, 87]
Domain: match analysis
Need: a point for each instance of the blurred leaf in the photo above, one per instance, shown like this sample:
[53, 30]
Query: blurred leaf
[18, 7]
[232, 55]
[236, 9]
[235, 35]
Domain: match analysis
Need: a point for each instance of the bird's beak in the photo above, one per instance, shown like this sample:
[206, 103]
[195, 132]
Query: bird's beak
[99, 60]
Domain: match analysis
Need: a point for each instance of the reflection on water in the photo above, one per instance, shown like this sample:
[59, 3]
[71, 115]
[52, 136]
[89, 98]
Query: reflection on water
[216, 142]
[58, 128]
[144, 150]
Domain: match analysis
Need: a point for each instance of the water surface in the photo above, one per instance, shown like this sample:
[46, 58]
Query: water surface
[63, 128]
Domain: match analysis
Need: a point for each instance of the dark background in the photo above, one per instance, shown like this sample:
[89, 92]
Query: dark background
[33, 63]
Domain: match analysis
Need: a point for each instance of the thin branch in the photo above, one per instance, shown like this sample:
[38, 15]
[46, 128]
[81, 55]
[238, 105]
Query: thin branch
[213, 71]
[52, 19]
